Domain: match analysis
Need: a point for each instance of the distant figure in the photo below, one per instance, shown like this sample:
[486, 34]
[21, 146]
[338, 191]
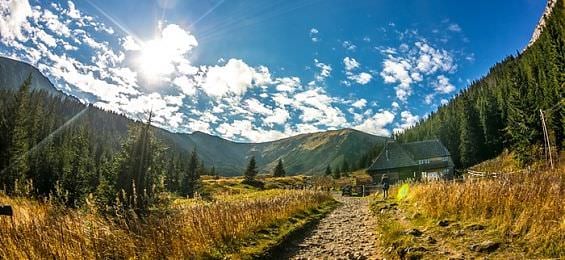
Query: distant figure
[386, 185]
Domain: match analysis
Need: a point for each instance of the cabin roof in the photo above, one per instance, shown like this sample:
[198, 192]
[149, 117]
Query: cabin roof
[392, 156]
[395, 155]
[426, 149]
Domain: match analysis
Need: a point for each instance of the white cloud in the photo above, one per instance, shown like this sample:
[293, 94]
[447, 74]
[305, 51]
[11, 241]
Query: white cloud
[13, 17]
[325, 70]
[233, 78]
[361, 103]
[314, 35]
[412, 65]
[350, 63]
[377, 124]
[407, 120]
[186, 85]
[429, 99]
[278, 116]
[361, 78]
[130, 44]
[255, 106]
[454, 27]
[288, 84]
[349, 45]
[443, 86]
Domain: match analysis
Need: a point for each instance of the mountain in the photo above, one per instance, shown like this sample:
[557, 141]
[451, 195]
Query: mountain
[13, 73]
[510, 107]
[305, 153]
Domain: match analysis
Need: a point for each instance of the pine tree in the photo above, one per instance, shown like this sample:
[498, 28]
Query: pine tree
[279, 170]
[336, 174]
[251, 170]
[328, 171]
[18, 162]
[138, 169]
[470, 137]
[191, 176]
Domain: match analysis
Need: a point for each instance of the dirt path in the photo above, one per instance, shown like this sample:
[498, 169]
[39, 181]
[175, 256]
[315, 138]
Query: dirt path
[346, 233]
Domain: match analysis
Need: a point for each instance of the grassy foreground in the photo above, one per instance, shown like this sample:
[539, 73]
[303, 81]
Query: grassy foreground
[238, 226]
[517, 215]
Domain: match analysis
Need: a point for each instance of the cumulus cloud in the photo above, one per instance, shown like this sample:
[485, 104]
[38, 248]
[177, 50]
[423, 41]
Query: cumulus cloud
[233, 78]
[350, 63]
[412, 65]
[361, 103]
[377, 124]
[442, 85]
[325, 70]
[407, 120]
[361, 78]
[13, 17]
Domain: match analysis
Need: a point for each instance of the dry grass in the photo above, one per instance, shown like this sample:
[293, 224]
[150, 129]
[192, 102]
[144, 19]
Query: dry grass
[526, 208]
[193, 229]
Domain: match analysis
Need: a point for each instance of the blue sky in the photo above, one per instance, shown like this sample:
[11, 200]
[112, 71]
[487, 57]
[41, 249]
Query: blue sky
[263, 70]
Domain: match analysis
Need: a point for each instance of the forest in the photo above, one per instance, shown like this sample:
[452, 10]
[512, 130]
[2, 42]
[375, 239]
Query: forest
[51, 147]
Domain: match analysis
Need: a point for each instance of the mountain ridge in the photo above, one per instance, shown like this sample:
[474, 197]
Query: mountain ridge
[308, 153]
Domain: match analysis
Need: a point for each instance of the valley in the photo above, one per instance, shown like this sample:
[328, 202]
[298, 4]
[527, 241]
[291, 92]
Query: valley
[478, 171]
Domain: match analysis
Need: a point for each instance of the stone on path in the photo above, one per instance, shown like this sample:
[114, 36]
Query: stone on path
[346, 233]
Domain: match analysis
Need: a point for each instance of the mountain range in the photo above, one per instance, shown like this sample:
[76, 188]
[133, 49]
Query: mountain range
[302, 154]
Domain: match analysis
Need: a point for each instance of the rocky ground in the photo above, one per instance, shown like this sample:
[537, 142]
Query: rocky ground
[346, 233]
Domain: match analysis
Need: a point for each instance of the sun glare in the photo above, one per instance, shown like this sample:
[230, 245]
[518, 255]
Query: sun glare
[159, 56]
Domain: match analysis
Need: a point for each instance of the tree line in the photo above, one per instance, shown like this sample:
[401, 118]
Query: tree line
[51, 146]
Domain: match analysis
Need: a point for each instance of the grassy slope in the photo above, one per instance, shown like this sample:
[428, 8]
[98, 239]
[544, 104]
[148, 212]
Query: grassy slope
[524, 212]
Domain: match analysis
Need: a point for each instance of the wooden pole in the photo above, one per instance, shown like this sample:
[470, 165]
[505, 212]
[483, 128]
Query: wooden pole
[546, 138]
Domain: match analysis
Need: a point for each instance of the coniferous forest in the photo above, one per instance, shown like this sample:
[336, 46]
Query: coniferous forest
[51, 146]
[502, 109]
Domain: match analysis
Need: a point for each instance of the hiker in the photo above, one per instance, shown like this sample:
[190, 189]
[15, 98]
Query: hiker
[386, 185]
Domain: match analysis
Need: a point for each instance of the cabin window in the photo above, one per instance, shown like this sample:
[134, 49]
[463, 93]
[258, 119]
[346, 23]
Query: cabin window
[425, 161]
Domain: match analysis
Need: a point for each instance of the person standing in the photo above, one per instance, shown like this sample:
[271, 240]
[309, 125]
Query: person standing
[385, 184]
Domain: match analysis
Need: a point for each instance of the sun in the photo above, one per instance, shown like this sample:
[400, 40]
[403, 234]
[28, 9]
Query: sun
[155, 59]
[160, 56]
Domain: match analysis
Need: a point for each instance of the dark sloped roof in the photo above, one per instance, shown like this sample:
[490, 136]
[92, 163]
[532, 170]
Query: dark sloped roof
[396, 155]
[426, 149]
[391, 157]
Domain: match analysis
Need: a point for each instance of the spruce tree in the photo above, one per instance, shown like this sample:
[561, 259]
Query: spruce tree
[18, 162]
[279, 169]
[328, 171]
[191, 176]
[251, 170]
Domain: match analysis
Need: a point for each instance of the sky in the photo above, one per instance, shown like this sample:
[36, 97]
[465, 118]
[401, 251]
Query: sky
[255, 70]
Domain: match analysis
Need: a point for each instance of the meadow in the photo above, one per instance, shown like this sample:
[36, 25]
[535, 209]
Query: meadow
[523, 212]
[238, 226]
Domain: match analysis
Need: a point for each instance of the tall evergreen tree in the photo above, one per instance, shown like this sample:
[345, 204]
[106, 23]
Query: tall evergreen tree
[191, 176]
[18, 162]
[470, 137]
[279, 170]
[138, 169]
[251, 170]
[328, 171]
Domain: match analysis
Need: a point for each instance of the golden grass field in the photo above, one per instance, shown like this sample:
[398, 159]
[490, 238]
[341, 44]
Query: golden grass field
[524, 211]
[185, 229]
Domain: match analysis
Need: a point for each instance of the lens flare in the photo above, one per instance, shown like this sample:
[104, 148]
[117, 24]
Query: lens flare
[403, 192]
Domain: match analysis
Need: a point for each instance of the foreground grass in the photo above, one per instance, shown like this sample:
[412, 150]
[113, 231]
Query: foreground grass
[199, 229]
[523, 213]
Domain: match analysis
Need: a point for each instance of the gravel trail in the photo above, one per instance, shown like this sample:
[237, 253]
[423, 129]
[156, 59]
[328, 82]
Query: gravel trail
[346, 233]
